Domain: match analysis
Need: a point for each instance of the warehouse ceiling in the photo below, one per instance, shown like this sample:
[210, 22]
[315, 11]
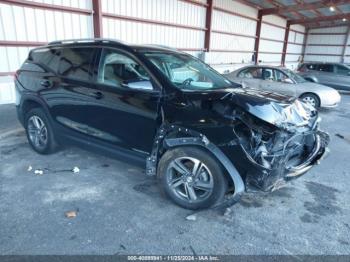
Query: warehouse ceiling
[311, 13]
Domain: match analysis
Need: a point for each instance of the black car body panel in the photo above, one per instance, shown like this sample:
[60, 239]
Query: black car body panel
[251, 133]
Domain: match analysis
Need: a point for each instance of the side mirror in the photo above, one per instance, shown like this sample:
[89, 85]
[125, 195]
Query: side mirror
[288, 81]
[143, 85]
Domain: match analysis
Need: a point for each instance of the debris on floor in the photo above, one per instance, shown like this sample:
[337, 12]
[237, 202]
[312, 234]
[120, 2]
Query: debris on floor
[343, 137]
[228, 212]
[38, 172]
[191, 218]
[71, 214]
[29, 168]
[76, 170]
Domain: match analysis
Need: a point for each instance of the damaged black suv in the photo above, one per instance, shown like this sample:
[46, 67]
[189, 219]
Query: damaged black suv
[203, 136]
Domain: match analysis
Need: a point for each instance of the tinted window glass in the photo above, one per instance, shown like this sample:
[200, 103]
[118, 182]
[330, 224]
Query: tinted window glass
[311, 66]
[75, 62]
[342, 70]
[325, 68]
[47, 58]
[117, 69]
[251, 73]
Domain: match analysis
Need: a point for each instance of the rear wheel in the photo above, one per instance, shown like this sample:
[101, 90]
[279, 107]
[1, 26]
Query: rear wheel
[192, 178]
[311, 99]
[39, 131]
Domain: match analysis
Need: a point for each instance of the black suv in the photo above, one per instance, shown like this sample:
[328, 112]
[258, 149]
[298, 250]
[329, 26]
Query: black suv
[203, 136]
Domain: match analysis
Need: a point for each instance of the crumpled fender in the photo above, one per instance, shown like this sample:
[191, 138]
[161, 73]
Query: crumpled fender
[169, 136]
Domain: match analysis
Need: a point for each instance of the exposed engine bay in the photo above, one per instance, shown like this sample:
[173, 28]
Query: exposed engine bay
[283, 149]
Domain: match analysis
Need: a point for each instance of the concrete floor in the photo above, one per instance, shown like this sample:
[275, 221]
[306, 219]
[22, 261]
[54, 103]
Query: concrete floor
[121, 211]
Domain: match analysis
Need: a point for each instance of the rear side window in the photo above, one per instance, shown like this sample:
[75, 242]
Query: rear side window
[76, 62]
[325, 68]
[47, 58]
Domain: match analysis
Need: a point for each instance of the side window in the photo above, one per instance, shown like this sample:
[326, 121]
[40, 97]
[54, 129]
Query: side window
[311, 66]
[46, 57]
[342, 70]
[117, 69]
[75, 62]
[268, 74]
[254, 73]
[326, 68]
[280, 76]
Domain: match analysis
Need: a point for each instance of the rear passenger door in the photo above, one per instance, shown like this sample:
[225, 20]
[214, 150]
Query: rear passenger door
[71, 95]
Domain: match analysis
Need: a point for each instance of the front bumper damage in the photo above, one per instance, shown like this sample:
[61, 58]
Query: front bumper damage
[295, 160]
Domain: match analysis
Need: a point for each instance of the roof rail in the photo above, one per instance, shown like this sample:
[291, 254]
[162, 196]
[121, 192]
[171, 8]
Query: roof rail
[85, 40]
[164, 46]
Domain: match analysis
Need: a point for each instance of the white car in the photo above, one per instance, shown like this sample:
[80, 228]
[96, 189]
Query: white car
[284, 81]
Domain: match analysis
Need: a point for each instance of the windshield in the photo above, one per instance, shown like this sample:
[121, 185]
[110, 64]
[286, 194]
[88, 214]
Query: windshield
[187, 72]
[296, 78]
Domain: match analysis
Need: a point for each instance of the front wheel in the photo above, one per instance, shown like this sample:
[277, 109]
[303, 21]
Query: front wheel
[311, 99]
[192, 178]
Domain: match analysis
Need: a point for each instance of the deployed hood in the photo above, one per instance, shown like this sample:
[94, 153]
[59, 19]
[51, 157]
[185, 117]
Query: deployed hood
[279, 110]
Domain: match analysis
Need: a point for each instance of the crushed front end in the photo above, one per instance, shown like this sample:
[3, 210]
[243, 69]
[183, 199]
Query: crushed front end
[281, 148]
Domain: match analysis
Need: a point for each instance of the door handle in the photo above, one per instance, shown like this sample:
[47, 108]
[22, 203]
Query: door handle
[97, 94]
[45, 83]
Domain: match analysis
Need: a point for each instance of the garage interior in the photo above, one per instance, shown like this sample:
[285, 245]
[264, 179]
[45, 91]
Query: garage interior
[120, 210]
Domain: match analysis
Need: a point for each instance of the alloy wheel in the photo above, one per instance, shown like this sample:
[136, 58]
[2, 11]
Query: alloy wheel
[190, 179]
[37, 132]
[310, 100]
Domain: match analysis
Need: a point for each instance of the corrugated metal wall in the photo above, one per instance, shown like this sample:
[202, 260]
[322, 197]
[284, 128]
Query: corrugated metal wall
[295, 46]
[167, 11]
[327, 45]
[272, 40]
[26, 24]
[233, 36]
[173, 23]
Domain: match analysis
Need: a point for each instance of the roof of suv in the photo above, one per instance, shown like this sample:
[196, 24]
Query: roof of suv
[112, 42]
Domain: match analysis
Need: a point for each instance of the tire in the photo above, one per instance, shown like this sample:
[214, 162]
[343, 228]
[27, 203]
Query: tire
[311, 99]
[47, 143]
[209, 184]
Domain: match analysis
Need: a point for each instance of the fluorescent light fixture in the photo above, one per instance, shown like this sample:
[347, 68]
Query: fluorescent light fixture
[331, 8]
[344, 19]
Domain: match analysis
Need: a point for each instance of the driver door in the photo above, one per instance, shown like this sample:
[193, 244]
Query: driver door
[277, 82]
[127, 110]
[250, 77]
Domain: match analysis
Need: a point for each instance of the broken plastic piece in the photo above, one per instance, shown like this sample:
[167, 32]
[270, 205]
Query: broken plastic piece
[38, 172]
[76, 169]
[29, 168]
[191, 218]
[71, 214]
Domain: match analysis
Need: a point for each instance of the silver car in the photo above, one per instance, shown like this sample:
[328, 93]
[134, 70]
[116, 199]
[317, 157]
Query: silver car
[335, 75]
[284, 81]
